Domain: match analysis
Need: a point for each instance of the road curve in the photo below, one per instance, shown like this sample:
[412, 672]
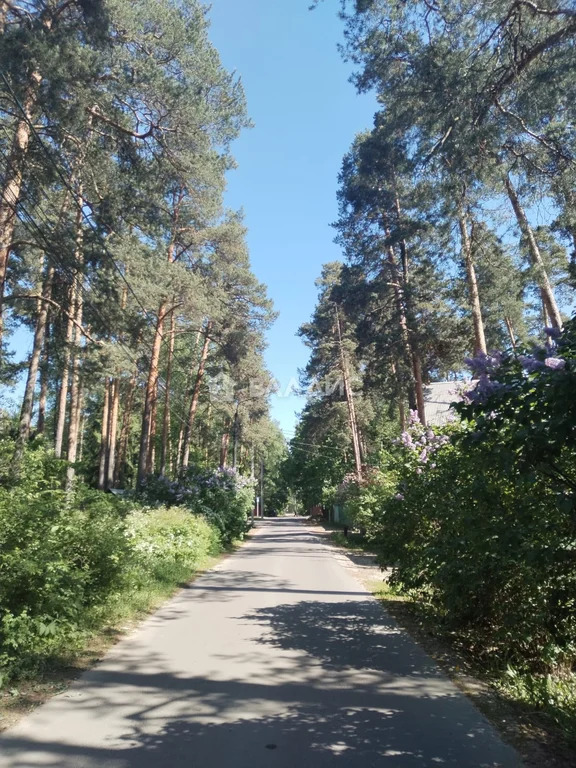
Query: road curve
[277, 658]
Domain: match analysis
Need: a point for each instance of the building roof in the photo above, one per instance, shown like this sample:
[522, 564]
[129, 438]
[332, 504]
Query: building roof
[438, 397]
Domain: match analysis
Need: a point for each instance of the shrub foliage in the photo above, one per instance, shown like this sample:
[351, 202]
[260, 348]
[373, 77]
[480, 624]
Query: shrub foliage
[69, 557]
[482, 524]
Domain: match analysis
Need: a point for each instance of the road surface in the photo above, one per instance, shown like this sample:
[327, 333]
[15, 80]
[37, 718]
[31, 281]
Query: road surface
[277, 658]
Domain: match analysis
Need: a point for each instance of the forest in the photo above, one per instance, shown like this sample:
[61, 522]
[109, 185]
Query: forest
[457, 224]
[121, 264]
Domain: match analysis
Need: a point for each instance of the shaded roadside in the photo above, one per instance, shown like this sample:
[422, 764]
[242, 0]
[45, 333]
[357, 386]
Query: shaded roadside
[538, 740]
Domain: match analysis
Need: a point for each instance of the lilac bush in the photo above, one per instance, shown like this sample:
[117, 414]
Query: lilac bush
[481, 525]
[422, 442]
[222, 495]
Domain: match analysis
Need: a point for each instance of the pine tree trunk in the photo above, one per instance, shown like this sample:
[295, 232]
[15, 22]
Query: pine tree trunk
[349, 400]
[473, 294]
[3, 13]
[43, 396]
[151, 461]
[179, 448]
[400, 401]
[112, 431]
[224, 444]
[545, 315]
[69, 336]
[165, 447]
[412, 357]
[81, 425]
[402, 302]
[64, 379]
[510, 329]
[125, 431]
[74, 422]
[208, 428]
[536, 257]
[235, 440]
[28, 399]
[75, 388]
[419, 388]
[104, 437]
[12, 182]
[150, 397]
[195, 399]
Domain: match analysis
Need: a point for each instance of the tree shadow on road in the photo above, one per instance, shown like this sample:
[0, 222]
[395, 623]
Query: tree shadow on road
[343, 634]
[408, 734]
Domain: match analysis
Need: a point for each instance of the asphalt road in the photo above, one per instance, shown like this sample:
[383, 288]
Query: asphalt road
[277, 658]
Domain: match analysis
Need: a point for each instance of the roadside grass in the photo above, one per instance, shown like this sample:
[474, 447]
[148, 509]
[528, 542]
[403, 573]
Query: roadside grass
[105, 626]
[535, 713]
[354, 541]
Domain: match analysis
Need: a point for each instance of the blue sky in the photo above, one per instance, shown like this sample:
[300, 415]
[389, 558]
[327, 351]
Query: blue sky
[306, 115]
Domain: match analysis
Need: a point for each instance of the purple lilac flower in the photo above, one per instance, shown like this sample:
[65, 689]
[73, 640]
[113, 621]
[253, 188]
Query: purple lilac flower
[423, 456]
[399, 497]
[529, 363]
[482, 364]
[407, 439]
[553, 333]
[484, 389]
[556, 363]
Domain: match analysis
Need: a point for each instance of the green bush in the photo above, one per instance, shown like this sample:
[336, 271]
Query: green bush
[363, 500]
[68, 560]
[59, 557]
[163, 537]
[222, 496]
[482, 527]
[485, 546]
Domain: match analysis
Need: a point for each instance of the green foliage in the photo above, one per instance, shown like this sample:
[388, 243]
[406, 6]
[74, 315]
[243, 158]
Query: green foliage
[66, 557]
[227, 508]
[554, 695]
[223, 496]
[162, 537]
[362, 499]
[485, 547]
[484, 535]
[60, 557]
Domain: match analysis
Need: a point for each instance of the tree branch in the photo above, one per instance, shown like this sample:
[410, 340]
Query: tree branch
[95, 112]
[546, 11]
[39, 297]
[537, 137]
[527, 58]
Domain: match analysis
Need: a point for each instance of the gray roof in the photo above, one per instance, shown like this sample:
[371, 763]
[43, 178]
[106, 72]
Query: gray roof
[438, 397]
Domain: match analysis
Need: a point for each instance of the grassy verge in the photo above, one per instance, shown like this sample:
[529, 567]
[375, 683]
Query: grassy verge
[536, 714]
[121, 613]
[353, 542]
